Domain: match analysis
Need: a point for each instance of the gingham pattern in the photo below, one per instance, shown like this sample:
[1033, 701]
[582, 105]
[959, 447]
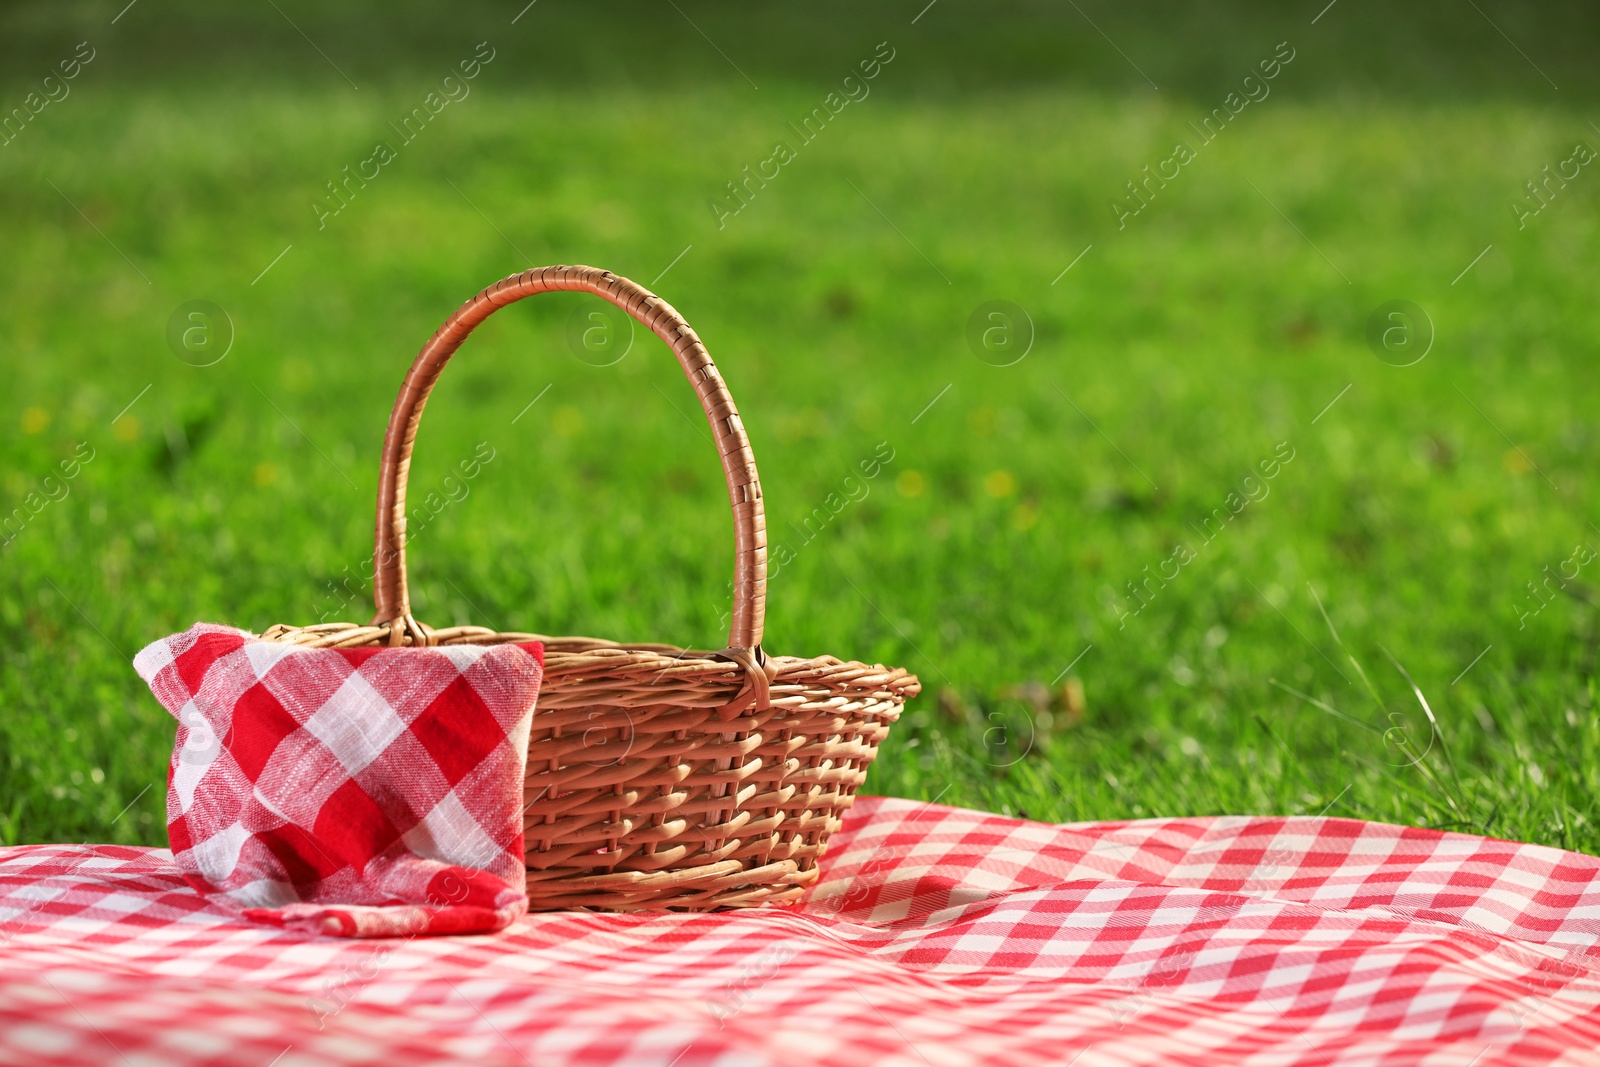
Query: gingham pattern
[937, 937]
[361, 792]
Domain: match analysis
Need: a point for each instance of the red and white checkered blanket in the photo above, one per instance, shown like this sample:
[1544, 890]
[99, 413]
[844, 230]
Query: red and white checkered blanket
[936, 937]
[362, 792]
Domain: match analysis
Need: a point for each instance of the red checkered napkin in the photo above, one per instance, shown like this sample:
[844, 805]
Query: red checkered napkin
[359, 792]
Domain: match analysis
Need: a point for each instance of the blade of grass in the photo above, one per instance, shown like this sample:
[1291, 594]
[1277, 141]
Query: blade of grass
[1330, 709]
[1371, 689]
[1444, 742]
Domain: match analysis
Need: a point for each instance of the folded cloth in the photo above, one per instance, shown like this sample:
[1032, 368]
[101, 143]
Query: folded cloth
[358, 792]
[935, 936]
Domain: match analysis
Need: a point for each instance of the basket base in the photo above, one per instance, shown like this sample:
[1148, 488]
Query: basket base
[724, 885]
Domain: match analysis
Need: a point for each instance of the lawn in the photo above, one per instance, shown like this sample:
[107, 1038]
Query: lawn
[1179, 542]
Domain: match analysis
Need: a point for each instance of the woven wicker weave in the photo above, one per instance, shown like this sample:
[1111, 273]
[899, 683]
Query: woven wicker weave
[657, 777]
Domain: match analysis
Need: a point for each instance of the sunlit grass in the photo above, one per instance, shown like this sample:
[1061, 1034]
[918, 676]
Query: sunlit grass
[1023, 511]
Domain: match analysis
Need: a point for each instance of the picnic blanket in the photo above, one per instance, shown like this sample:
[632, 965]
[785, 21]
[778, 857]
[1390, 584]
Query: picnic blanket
[936, 937]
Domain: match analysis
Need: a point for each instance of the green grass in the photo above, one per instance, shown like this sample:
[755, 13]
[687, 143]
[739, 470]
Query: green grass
[990, 553]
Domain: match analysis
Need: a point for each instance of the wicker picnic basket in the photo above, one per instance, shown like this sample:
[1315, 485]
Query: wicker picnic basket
[657, 777]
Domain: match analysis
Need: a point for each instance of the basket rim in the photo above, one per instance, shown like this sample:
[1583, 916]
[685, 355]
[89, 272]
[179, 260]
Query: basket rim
[575, 658]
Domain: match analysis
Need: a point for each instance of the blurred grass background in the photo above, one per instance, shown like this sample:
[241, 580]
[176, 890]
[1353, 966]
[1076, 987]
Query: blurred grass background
[1425, 509]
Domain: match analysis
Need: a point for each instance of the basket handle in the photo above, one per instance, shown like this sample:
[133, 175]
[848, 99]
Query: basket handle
[391, 599]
